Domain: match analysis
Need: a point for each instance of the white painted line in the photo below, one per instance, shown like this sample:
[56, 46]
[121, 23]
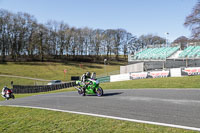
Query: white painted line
[112, 117]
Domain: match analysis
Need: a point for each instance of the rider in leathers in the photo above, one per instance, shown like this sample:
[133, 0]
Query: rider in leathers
[84, 80]
[4, 91]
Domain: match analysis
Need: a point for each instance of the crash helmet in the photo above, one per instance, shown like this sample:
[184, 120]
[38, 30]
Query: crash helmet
[88, 74]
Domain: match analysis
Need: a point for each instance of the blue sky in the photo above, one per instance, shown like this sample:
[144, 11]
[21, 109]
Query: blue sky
[136, 16]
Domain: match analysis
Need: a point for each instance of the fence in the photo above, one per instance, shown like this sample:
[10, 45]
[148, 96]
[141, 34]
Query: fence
[41, 88]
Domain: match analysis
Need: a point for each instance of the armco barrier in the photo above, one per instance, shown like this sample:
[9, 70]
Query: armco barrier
[119, 77]
[41, 88]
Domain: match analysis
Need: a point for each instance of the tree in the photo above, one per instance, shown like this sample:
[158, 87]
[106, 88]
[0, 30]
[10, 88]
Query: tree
[41, 41]
[150, 39]
[119, 40]
[62, 37]
[109, 40]
[5, 18]
[22, 36]
[193, 21]
[133, 44]
[182, 40]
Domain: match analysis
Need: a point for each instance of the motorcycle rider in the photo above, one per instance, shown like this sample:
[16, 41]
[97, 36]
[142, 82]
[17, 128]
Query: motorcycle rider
[5, 88]
[93, 75]
[84, 80]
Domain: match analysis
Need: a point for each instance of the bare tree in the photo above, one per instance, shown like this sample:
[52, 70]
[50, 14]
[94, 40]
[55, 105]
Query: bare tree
[5, 18]
[150, 39]
[22, 36]
[182, 41]
[193, 21]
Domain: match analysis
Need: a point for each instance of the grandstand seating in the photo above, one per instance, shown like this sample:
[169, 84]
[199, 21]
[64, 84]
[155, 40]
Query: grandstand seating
[190, 52]
[156, 53]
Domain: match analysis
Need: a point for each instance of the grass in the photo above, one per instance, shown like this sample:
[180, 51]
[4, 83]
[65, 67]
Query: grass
[171, 82]
[6, 81]
[52, 70]
[48, 70]
[22, 120]
[35, 120]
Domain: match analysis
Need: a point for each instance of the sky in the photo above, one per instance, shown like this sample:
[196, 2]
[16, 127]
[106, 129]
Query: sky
[139, 17]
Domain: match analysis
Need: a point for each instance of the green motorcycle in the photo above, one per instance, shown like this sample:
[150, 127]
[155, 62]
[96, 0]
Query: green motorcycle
[92, 87]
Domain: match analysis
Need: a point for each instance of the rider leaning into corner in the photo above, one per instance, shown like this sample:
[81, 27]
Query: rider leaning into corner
[5, 88]
[84, 79]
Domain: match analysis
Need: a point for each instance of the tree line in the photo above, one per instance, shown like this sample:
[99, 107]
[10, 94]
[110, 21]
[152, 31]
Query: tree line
[21, 36]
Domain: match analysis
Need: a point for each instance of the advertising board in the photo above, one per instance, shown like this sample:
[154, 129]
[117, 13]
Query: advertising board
[141, 75]
[158, 74]
[175, 72]
[191, 71]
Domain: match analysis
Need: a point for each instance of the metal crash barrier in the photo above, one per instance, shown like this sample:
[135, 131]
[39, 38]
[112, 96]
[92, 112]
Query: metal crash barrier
[41, 88]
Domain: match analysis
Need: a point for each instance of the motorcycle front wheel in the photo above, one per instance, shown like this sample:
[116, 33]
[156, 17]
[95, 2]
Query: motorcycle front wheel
[99, 92]
[80, 92]
[13, 97]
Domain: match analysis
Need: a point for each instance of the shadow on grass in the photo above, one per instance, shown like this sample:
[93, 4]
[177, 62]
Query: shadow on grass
[83, 65]
[97, 67]
[32, 63]
[3, 63]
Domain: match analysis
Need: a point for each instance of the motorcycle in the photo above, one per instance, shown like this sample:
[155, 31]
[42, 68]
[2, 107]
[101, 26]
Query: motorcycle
[9, 94]
[92, 87]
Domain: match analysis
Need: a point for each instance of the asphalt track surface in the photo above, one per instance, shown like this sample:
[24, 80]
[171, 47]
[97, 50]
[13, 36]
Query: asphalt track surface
[170, 106]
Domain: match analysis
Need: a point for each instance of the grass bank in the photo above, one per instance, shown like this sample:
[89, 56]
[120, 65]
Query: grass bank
[54, 71]
[21, 120]
[171, 82]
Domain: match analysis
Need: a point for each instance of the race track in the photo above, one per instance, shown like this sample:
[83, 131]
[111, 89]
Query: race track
[170, 106]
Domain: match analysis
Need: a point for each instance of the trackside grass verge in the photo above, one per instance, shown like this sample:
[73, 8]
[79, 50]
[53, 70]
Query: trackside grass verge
[5, 81]
[171, 82]
[21, 120]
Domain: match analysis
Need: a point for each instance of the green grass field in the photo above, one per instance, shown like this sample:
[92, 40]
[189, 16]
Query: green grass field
[170, 82]
[35, 120]
[25, 120]
[54, 71]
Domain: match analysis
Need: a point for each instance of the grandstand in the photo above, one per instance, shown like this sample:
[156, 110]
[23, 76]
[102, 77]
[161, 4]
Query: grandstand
[167, 57]
[190, 52]
[155, 53]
